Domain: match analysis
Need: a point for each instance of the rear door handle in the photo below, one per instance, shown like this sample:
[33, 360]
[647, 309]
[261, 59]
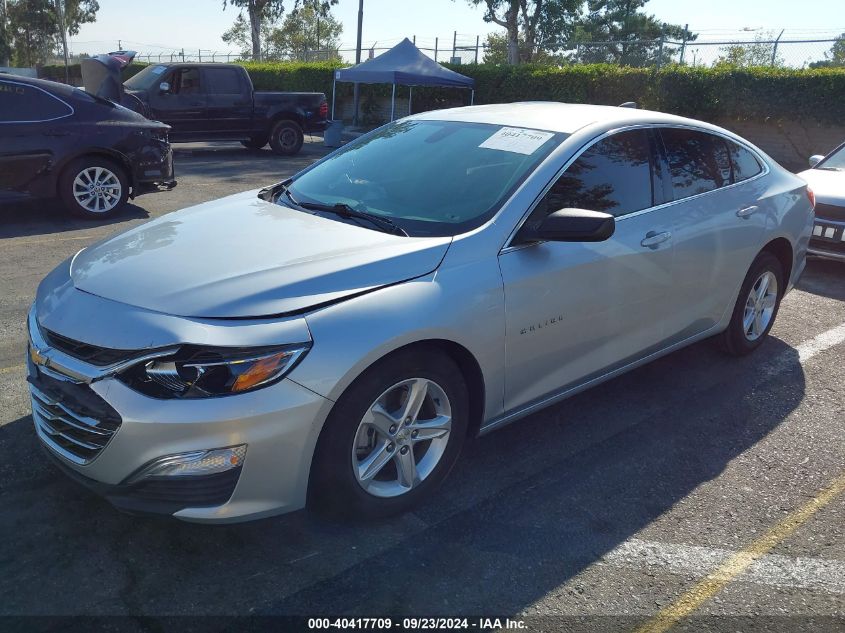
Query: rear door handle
[653, 240]
[747, 212]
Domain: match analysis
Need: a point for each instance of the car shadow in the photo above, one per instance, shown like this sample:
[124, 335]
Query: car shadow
[526, 509]
[47, 217]
[824, 277]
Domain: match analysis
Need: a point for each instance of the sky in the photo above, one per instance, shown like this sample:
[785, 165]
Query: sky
[154, 26]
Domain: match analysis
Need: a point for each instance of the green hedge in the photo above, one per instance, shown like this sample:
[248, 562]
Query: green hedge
[704, 93]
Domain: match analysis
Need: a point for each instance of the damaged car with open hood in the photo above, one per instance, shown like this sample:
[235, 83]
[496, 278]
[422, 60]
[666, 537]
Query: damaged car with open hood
[79, 145]
[332, 340]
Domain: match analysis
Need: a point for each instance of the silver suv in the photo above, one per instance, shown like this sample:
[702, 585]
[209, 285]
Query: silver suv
[333, 339]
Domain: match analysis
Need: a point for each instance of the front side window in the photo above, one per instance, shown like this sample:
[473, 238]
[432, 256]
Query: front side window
[223, 81]
[432, 178]
[23, 103]
[698, 161]
[745, 164]
[186, 81]
[613, 176]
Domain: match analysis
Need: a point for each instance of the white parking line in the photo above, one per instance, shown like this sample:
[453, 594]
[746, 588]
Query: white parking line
[820, 343]
[770, 569]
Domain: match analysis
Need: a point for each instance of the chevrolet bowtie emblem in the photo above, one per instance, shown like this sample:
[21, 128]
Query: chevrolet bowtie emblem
[37, 357]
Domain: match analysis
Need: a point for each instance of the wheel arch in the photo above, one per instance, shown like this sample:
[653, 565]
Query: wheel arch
[781, 248]
[100, 152]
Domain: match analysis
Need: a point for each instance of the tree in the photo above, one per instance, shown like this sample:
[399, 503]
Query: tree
[307, 28]
[761, 52]
[260, 11]
[627, 35]
[310, 26]
[535, 22]
[496, 52]
[33, 30]
[834, 57]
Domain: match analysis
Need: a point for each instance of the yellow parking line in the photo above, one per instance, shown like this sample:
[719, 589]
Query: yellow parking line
[45, 240]
[667, 617]
[13, 368]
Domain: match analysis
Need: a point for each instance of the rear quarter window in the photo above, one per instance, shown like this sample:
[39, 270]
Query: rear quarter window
[24, 103]
[745, 164]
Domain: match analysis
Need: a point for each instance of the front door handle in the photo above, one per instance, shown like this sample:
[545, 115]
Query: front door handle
[653, 240]
[747, 212]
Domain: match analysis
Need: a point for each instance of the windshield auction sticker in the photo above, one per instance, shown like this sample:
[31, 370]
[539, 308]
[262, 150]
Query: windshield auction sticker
[517, 140]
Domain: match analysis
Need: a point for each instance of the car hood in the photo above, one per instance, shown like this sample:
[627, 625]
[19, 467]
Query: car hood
[827, 185]
[244, 257]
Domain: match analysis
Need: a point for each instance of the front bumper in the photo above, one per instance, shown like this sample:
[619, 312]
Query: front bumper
[153, 169]
[279, 425]
[828, 239]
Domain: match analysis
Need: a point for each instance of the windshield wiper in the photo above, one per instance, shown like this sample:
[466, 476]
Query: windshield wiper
[345, 211]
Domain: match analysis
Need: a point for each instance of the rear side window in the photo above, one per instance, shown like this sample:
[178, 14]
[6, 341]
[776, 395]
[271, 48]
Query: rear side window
[698, 161]
[745, 164]
[23, 103]
[222, 81]
[613, 176]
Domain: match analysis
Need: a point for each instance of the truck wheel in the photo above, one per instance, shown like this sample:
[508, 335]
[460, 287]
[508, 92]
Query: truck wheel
[93, 187]
[286, 138]
[256, 142]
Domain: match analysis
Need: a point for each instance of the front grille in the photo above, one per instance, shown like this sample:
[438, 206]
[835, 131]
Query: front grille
[830, 212]
[73, 430]
[93, 354]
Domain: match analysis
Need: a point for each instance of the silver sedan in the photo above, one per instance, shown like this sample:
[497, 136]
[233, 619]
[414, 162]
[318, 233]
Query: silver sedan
[333, 339]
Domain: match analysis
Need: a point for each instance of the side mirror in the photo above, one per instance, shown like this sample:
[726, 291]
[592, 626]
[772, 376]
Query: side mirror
[574, 225]
[815, 159]
[164, 86]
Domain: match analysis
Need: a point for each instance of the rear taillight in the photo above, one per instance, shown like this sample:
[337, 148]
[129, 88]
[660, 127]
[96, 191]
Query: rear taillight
[812, 197]
[324, 109]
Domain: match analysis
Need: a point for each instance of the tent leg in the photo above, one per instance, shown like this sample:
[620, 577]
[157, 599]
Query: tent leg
[334, 92]
[393, 103]
[410, 100]
[472, 98]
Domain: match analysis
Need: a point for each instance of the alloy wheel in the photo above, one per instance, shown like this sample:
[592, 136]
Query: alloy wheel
[760, 306]
[97, 189]
[402, 437]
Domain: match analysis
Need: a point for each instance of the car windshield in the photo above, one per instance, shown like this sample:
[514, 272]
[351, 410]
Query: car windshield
[834, 161]
[146, 78]
[431, 178]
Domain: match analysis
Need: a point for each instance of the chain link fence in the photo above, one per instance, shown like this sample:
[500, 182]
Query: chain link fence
[469, 49]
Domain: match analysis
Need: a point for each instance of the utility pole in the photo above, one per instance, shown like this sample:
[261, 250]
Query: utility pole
[775, 49]
[60, 11]
[358, 59]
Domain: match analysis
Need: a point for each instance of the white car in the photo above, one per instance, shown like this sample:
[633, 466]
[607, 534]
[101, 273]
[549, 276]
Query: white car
[826, 178]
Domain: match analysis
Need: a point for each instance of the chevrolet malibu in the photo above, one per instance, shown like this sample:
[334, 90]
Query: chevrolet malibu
[332, 340]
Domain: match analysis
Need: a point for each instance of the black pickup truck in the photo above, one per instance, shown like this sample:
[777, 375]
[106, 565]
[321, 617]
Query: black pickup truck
[213, 102]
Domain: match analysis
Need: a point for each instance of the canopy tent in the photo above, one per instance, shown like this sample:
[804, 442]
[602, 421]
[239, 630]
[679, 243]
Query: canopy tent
[405, 65]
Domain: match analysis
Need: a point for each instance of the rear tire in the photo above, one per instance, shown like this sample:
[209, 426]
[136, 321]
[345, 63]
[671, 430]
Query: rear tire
[286, 138]
[756, 307]
[368, 466]
[93, 187]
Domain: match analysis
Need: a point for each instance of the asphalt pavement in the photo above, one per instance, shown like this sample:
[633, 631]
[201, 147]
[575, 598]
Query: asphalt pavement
[700, 491]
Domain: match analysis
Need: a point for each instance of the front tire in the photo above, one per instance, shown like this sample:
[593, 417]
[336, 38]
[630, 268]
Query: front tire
[93, 188]
[286, 138]
[756, 307]
[256, 142]
[391, 438]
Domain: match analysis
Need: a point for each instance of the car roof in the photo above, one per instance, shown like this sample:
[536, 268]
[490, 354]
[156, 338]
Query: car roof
[557, 117]
[51, 86]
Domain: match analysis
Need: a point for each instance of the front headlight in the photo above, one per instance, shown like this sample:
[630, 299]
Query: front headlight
[200, 372]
